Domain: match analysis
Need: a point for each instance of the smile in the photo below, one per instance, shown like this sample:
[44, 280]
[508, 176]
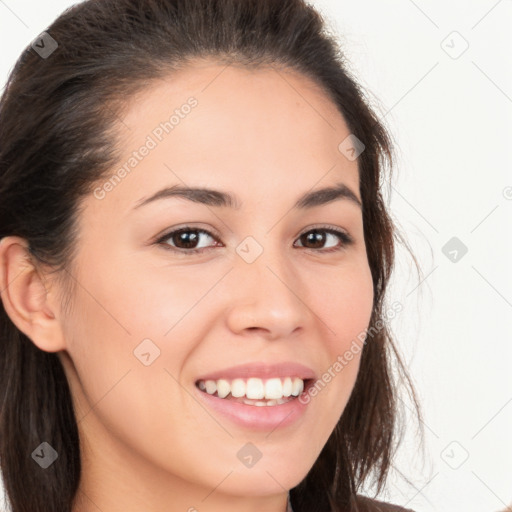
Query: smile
[255, 391]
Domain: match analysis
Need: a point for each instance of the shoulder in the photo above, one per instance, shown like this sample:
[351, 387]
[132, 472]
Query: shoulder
[371, 505]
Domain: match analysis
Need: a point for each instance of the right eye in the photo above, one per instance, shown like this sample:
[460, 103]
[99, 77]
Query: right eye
[187, 237]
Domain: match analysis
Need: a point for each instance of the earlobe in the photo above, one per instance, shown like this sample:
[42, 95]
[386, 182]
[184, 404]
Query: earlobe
[26, 296]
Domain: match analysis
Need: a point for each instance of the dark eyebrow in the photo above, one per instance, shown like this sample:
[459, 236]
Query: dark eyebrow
[217, 198]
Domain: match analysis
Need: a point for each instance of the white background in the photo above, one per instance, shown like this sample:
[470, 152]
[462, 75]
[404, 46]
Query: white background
[451, 120]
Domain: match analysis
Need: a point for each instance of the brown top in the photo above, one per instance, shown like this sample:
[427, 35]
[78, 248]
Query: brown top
[370, 505]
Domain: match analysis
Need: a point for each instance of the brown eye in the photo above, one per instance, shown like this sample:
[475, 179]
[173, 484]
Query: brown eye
[185, 239]
[315, 237]
[319, 236]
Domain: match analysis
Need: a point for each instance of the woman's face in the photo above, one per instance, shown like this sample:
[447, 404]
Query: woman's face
[151, 317]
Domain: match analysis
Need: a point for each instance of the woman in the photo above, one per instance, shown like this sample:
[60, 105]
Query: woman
[194, 256]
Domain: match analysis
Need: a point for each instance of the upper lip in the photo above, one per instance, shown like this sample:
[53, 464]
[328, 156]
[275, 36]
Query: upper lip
[262, 370]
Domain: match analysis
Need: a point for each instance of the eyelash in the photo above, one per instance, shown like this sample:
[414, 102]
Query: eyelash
[345, 238]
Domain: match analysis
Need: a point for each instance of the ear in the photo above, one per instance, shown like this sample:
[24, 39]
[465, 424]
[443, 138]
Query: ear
[27, 297]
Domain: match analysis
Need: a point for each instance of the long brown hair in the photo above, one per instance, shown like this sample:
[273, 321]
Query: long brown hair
[58, 116]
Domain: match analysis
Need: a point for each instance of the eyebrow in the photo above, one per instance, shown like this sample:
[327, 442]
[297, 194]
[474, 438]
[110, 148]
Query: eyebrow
[217, 198]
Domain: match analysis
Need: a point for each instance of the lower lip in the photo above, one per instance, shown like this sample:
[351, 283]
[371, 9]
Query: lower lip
[255, 417]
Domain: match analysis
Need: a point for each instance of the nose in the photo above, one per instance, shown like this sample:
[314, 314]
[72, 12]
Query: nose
[267, 297]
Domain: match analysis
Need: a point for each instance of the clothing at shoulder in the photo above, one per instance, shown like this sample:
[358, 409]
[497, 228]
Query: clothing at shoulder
[371, 505]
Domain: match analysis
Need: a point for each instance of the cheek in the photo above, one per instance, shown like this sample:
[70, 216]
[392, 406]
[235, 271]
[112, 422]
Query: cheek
[116, 329]
[343, 301]
[128, 301]
[132, 333]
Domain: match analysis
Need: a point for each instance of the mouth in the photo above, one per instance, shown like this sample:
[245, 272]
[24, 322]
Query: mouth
[256, 391]
[260, 396]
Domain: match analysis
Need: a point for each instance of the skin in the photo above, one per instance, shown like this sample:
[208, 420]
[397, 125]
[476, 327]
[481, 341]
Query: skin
[267, 136]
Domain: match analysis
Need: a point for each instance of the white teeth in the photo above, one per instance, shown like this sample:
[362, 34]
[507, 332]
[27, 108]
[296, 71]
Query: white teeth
[211, 386]
[298, 387]
[287, 386]
[272, 390]
[279, 401]
[223, 388]
[255, 389]
[238, 388]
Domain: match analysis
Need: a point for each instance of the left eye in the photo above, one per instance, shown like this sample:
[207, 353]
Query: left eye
[184, 240]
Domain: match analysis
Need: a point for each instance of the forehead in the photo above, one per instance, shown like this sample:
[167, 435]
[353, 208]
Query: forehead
[234, 127]
[245, 103]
